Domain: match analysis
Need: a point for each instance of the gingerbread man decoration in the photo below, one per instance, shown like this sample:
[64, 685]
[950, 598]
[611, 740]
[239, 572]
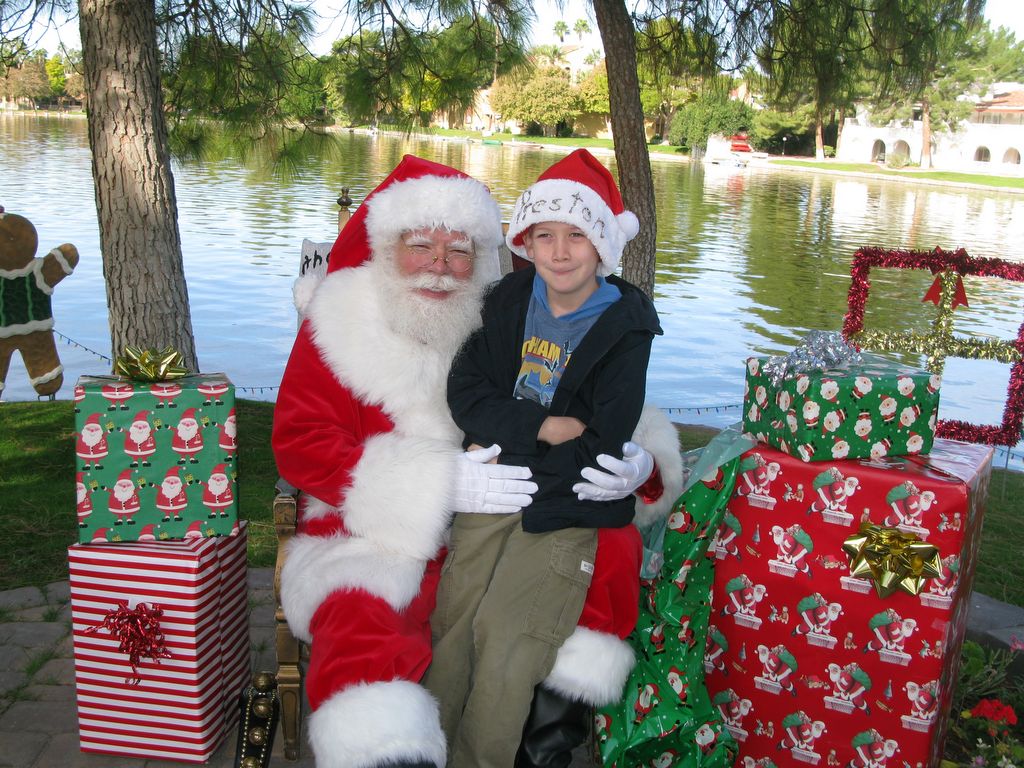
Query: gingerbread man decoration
[26, 318]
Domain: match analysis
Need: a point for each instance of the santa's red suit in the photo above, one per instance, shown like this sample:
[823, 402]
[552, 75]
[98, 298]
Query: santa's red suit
[362, 423]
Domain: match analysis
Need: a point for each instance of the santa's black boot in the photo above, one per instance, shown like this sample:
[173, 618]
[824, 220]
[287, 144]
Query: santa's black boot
[555, 727]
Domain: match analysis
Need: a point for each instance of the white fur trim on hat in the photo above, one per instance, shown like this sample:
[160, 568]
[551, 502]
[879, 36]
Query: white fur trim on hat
[659, 436]
[316, 566]
[591, 667]
[376, 724]
[459, 204]
[571, 202]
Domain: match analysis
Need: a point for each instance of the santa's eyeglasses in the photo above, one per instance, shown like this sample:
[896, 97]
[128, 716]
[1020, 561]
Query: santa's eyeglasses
[424, 253]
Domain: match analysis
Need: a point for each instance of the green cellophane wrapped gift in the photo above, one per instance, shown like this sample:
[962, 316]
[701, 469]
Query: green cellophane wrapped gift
[665, 717]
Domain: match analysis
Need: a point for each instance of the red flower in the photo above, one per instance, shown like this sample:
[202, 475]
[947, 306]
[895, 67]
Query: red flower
[995, 711]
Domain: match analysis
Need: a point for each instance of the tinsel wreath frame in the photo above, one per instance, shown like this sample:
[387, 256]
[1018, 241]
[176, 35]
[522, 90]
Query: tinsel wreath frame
[949, 267]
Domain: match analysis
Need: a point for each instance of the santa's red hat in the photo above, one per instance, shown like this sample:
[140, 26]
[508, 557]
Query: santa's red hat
[94, 418]
[142, 416]
[422, 194]
[172, 472]
[188, 413]
[80, 478]
[218, 470]
[126, 474]
[577, 190]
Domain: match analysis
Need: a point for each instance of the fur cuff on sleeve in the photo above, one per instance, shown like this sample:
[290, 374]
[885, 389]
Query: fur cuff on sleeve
[659, 436]
[399, 492]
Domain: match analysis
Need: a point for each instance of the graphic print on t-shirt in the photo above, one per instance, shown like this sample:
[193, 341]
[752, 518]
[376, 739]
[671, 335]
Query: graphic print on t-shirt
[543, 363]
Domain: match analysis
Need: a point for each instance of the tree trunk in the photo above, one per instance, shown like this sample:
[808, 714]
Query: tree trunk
[819, 137]
[839, 129]
[926, 134]
[147, 297]
[631, 157]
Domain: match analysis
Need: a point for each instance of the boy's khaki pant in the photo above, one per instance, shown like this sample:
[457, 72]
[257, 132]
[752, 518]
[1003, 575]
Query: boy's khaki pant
[506, 602]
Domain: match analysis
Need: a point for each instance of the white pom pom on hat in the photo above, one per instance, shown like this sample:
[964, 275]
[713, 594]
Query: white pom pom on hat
[577, 190]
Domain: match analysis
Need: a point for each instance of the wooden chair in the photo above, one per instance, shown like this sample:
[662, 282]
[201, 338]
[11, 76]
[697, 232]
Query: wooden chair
[290, 652]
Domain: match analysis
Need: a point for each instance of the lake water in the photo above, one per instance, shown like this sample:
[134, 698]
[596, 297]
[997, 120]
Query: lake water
[749, 259]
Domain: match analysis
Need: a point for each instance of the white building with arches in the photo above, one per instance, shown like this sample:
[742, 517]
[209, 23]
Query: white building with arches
[990, 141]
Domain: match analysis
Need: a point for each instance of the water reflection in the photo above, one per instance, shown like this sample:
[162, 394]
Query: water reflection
[749, 259]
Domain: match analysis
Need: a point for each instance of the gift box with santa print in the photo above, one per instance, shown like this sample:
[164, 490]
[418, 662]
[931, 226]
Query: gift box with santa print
[155, 461]
[820, 667]
[161, 644]
[869, 409]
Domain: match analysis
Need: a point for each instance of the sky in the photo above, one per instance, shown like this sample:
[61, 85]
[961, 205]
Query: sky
[1007, 13]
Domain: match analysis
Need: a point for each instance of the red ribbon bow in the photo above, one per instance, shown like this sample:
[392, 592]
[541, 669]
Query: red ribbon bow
[138, 630]
[934, 294]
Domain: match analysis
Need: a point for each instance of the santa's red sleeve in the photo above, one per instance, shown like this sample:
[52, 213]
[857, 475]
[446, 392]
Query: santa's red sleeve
[319, 429]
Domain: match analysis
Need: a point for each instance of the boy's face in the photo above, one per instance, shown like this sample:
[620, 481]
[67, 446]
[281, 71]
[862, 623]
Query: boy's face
[566, 261]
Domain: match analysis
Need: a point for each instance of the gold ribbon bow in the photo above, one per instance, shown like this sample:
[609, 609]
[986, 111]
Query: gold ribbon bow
[150, 364]
[892, 559]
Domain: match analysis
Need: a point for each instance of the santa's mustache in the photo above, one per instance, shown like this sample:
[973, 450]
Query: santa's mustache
[433, 282]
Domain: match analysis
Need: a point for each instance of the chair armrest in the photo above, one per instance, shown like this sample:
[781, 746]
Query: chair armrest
[285, 506]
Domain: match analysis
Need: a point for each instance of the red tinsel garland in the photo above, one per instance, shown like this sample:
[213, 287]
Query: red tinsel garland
[138, 630]
[938, 261]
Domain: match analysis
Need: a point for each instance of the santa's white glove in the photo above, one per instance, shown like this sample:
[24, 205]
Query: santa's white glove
[490, 489]
[622, 478]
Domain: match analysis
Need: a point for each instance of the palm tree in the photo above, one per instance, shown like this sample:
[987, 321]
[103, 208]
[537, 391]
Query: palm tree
[549, 55]
[561, 29]
[581, 28]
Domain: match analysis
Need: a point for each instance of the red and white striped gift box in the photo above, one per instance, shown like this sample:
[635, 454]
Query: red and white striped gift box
[176, 708]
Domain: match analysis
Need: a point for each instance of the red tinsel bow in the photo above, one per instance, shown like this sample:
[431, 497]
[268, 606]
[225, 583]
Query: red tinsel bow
[935, 292]
[138, 630]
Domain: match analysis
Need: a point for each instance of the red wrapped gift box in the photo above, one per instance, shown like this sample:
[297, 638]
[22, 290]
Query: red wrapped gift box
[181, 704]
[809, 665]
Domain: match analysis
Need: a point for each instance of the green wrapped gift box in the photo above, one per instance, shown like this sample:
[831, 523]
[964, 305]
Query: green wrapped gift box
[875, 408]
[155, 460]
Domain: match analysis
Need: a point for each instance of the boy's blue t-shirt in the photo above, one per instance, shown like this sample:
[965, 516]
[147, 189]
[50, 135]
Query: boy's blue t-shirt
[548, 341]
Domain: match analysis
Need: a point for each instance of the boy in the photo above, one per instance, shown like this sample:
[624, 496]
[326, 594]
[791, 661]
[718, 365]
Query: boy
[556, 376]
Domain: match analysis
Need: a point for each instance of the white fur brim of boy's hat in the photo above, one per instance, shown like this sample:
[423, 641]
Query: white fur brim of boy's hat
[577, 190]
[455, 203]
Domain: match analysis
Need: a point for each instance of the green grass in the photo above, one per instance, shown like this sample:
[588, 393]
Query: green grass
[907, 174]
[37, 506]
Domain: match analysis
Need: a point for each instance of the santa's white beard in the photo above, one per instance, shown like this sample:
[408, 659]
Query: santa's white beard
[230, 429]
[217, 484]
[124, 490]
[441, 323]
[170, 488]
[187, 429]
[91, 435]
[139, 434]
[80, 493]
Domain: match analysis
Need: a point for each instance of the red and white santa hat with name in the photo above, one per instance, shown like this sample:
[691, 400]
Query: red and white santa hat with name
[577, 190]
[421, 194]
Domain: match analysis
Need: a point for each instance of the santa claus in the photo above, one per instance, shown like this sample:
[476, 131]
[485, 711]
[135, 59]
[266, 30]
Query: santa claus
[123, 502]
[188, 437]
[82, 500]
[170, 496]
[91, 443]
[139, 443]
[227, 441]
[361, 423]
[217, 494]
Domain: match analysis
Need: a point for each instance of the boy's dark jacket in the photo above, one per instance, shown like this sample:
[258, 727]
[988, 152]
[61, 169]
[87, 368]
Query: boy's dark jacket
[602, 386]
